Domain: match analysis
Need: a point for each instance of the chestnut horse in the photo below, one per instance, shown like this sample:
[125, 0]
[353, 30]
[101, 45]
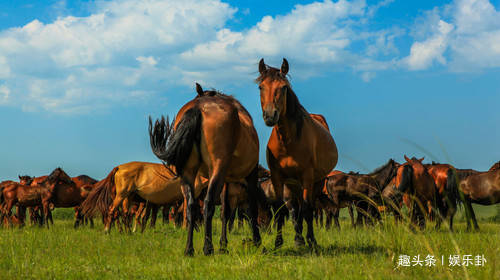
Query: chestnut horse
[481, 188]
[16, 194]
[36, 213]
[300, 151]
[445, 178]
[212, 135]
[413, 179]
[151, 182]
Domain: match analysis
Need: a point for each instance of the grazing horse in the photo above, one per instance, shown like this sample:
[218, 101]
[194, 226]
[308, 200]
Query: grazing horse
[151, 182]
[481, 188]
[213, 135]
[413, 179]
[362, 190]
[16, 194]
[445, 178]
[300, 151]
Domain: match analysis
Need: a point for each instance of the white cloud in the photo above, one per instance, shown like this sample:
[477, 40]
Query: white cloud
[4, 68]
[423, 54]
[4, 94]
[110, 55]
[472, 44]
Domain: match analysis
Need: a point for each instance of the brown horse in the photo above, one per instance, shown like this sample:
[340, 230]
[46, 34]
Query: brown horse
[16, 194]
[36, 213]
[212, 135]
[300, 150]
[481, 188]
[151, 182]
[445, 178]
[413, 179]
[362, 190]
[65, 193]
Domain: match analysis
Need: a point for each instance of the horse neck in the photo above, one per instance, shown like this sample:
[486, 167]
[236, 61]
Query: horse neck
[286, 130]
[381, 177]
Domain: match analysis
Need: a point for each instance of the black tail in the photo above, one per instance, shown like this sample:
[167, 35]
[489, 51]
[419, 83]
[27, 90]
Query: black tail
[180, 142]
[452, 187]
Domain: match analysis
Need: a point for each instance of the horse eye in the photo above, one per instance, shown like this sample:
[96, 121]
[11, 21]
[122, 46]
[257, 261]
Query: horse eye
[260, 88]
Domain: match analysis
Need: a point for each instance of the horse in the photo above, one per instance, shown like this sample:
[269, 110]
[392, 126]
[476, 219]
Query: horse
[481, 188]
[151, 182]
[413, 179]
[36, 213]
[213, 135]
[85, 184]
[362, 190]
[445, 178]
[300, 151]
[65, 193]
[16, 194]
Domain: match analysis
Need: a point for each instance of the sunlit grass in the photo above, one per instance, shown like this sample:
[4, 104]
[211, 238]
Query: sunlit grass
[362, 253]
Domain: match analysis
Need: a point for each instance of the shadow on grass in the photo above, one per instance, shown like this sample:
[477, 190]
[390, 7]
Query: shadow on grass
[330, 250]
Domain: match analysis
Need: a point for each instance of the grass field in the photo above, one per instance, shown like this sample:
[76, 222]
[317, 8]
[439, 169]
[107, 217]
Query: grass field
[366, 253]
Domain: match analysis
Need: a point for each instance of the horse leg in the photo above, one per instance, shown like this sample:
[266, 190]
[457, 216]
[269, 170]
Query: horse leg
[294, 206]
[328, 221]
[216, 182]
[252, 181]
[112, 210]
[232, 217]
[154, 214]
[188, 192]
[335, 215]
[224, 217]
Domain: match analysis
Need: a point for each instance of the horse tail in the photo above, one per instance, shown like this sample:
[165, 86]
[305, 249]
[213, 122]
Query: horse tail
[101, 196]
[452, 187]
[180, 142]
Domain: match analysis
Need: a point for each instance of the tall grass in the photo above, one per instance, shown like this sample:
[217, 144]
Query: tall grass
[362, 253]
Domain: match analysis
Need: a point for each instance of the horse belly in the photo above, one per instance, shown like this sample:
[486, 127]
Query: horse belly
[162, 195]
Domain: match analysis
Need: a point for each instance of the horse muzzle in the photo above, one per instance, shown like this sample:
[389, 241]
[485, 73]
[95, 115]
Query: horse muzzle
[271, 118]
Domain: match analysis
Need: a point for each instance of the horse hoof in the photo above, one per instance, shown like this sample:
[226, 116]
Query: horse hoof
[189, 252]
[278, 243]
[208, 250]
[223, 251]
[299, 241]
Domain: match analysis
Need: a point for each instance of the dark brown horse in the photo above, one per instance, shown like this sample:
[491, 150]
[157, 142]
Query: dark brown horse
[445, 178]
[36, 213]
[362, 190]
[300, 151]
[213, 135]
[65, 193]
[16, 194]
[481, 188]
[413, 179]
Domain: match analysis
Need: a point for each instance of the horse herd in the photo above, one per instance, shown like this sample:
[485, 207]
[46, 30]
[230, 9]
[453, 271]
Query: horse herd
[210, 156]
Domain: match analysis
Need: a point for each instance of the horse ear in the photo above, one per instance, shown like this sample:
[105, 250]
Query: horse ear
[421, 159]
[19, 177]
[407, 159]
[284, 67]
[262, 66]
[199, 89]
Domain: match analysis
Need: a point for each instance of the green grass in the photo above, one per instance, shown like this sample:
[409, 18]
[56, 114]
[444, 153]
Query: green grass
[365, 253]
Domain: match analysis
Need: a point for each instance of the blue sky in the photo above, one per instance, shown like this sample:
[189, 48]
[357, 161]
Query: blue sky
[78, 79]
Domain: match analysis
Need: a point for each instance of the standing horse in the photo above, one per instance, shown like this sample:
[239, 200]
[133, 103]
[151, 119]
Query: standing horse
[300, 151]
[445, 178]
[413, 179]
[481, 188]
[16, 194]
[213, 135]
[36, 213]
